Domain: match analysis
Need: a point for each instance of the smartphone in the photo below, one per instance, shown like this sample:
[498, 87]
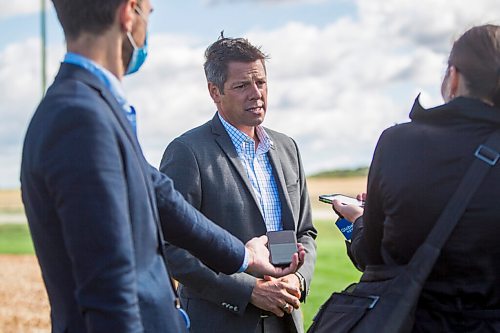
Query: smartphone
[282, 245]
[328, 198]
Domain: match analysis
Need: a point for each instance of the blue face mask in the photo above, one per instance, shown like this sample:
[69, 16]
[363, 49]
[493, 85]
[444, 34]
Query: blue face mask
[138, 56]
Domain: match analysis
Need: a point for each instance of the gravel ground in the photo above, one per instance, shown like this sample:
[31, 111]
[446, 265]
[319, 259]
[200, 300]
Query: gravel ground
[24, 306]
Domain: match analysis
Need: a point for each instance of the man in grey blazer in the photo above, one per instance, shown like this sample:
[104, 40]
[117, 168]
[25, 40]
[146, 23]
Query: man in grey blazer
[249, 180]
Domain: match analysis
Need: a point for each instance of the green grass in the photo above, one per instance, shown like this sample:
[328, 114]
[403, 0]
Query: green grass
[342, 173]
[334, 270]
[15, 239]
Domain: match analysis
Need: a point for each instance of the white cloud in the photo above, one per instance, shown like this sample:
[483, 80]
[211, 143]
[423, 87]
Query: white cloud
[15, 8]
[433, 23]
[332, 88]
[20, 91]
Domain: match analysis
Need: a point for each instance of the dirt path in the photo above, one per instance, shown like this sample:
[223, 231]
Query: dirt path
[24, 307]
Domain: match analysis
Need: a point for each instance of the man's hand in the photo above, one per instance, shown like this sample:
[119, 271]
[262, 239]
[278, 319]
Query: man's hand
[259, 264]
[293, 280]
[275, 295]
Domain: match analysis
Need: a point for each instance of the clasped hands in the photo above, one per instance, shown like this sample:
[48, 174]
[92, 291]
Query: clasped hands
[279, 291]
[278, 296]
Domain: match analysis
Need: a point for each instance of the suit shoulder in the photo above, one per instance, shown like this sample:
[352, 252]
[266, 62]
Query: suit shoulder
[72, 94]
[196, 135]
[70, 87]
[70, 104]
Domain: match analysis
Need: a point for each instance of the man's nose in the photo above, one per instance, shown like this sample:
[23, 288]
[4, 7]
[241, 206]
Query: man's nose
[256, 91]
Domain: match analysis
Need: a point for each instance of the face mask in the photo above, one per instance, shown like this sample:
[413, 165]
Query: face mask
[138, 56]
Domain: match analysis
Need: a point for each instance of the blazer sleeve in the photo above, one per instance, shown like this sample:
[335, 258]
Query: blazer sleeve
[83, 170]
[179, 162]
[186, 227]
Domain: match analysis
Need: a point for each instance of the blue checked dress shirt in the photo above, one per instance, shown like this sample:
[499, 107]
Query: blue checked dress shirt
[259, 171]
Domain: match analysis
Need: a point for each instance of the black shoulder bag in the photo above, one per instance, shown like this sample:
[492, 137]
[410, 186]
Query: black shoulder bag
[385, 298]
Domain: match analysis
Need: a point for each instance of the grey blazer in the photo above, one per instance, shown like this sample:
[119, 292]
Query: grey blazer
[205, 168]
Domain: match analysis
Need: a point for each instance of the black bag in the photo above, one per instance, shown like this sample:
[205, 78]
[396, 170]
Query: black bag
[385, 298]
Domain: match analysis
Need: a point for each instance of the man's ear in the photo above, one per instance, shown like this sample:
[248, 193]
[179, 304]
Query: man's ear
[126, 14]
[214, 92]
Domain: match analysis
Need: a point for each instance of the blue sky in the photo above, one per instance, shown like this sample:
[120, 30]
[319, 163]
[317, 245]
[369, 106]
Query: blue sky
[340, 71]
[201, 18]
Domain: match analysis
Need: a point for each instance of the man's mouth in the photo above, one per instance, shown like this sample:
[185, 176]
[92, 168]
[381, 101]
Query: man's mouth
[255, 109]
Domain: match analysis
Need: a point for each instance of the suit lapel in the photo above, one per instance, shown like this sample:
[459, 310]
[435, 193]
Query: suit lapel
[92, 81]
[124, 123]
[286, 207]
[225, 143]
[117, 111]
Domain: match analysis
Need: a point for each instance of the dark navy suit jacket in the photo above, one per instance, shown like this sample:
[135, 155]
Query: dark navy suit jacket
[92, 202]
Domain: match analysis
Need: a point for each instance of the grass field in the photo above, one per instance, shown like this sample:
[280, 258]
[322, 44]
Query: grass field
[333, 268]
[333, 271]
[15, 239]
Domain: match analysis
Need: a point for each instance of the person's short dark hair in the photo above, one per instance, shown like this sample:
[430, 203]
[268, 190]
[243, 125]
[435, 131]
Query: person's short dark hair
[476, 54]
[91, 16]
[226, 50]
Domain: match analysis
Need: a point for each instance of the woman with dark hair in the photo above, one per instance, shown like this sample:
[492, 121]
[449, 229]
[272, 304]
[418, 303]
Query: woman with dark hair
[416, 167]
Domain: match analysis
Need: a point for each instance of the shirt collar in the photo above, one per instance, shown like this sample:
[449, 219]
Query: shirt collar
[239, 138]
[105, 76]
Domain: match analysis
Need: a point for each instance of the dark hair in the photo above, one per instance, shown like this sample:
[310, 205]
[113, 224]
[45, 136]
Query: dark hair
[476, 55]
[92, 16]
[226, 50]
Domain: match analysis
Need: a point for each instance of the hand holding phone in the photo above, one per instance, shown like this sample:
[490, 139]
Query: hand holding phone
[345, 200]
[328, 198]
